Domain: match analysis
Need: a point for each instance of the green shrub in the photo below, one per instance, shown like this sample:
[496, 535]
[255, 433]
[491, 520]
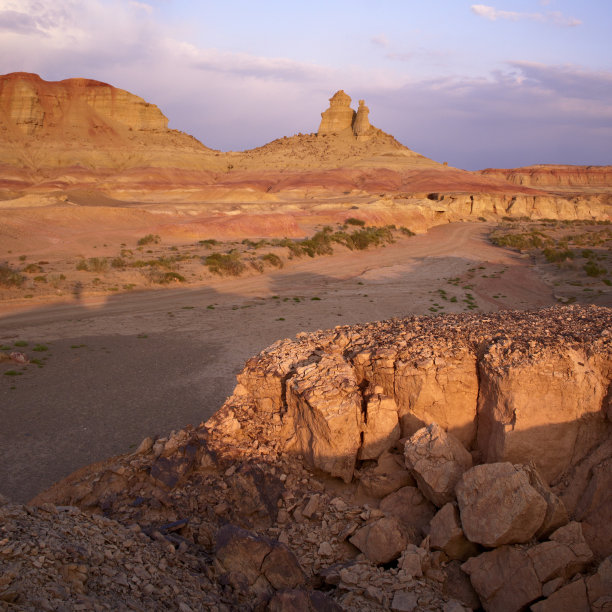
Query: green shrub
[354, 221]
[273, 260]
[149, 239]
[210, 242]
[32, 268]
[10, 277]
[165, 278]
[225, 264]
[557, 255]
[592, 269]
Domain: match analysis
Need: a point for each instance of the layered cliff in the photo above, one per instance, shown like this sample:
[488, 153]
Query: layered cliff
[50, 124]
[555, 176]
[388, 462]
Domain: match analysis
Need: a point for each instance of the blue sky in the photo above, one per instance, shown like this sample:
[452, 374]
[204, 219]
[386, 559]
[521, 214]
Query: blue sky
[497, 84]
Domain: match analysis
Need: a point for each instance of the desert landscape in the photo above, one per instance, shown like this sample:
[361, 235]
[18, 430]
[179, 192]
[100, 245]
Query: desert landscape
[421, 418]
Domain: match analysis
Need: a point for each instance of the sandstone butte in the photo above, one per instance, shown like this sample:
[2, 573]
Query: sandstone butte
[486, 482]
[80, 143]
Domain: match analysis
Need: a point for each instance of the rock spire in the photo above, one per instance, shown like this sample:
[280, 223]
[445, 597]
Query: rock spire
[340, 117]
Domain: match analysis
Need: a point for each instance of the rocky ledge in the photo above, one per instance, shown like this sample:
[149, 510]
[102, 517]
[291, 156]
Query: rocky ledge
[445, 463]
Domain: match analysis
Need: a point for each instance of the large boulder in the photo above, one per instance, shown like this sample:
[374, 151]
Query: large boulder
[504, 579]
[381, 541]
[498, 505]
[437, 460]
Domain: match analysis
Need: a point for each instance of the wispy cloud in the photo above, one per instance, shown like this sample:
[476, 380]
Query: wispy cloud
[380, 40]
[554, 17]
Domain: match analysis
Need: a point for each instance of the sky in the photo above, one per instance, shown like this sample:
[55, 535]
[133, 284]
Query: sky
[503, 84]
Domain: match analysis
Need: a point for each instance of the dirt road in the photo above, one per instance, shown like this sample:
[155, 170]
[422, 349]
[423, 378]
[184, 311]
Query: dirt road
[139, 364]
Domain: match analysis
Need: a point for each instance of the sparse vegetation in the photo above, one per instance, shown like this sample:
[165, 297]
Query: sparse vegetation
[225, 264]
[354, 221]
[10, 277]
[149, 239]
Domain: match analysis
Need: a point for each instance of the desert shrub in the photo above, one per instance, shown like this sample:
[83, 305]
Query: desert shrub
[10, 277]
[40, 279]
[370, 236]
[149, 239]
[225, 264]
[32, 268]
[209, 243]
[593, 269]
[256, 265]
[97, 264]
[164, 278]
[557, 255]
[118, 262]
[273, 260]
[82, 265]
[354, 221]
[519, 241]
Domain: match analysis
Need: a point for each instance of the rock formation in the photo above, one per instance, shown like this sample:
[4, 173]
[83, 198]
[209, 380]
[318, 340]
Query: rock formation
[255, 495]
[55, 124]
[339, 116]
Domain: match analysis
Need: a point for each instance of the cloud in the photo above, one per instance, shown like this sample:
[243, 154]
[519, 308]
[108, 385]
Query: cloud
[242, 64]
[380, 40]
[555, 17]
[526, 113]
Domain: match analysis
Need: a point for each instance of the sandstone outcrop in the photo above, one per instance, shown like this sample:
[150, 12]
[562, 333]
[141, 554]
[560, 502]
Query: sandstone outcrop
[555, 176]
[437, 460]
[339, 116]
[87, 123]
[248, 501]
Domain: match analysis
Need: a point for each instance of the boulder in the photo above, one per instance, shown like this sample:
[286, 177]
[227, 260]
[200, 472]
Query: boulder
[504, 579]
[445, 534]
[436, 460]
[556, 513]
[498, 505]
[412, 560]
[404, 601]
[388, 475]
[599, 585]
[381, 541]
[572, 597]
[565, 554]
[381, 428]
[411, 509]
[244, 554]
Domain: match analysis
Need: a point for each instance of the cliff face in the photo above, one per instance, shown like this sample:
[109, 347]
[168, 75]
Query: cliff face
[550, 176]
[46, 124]
[34, 106]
